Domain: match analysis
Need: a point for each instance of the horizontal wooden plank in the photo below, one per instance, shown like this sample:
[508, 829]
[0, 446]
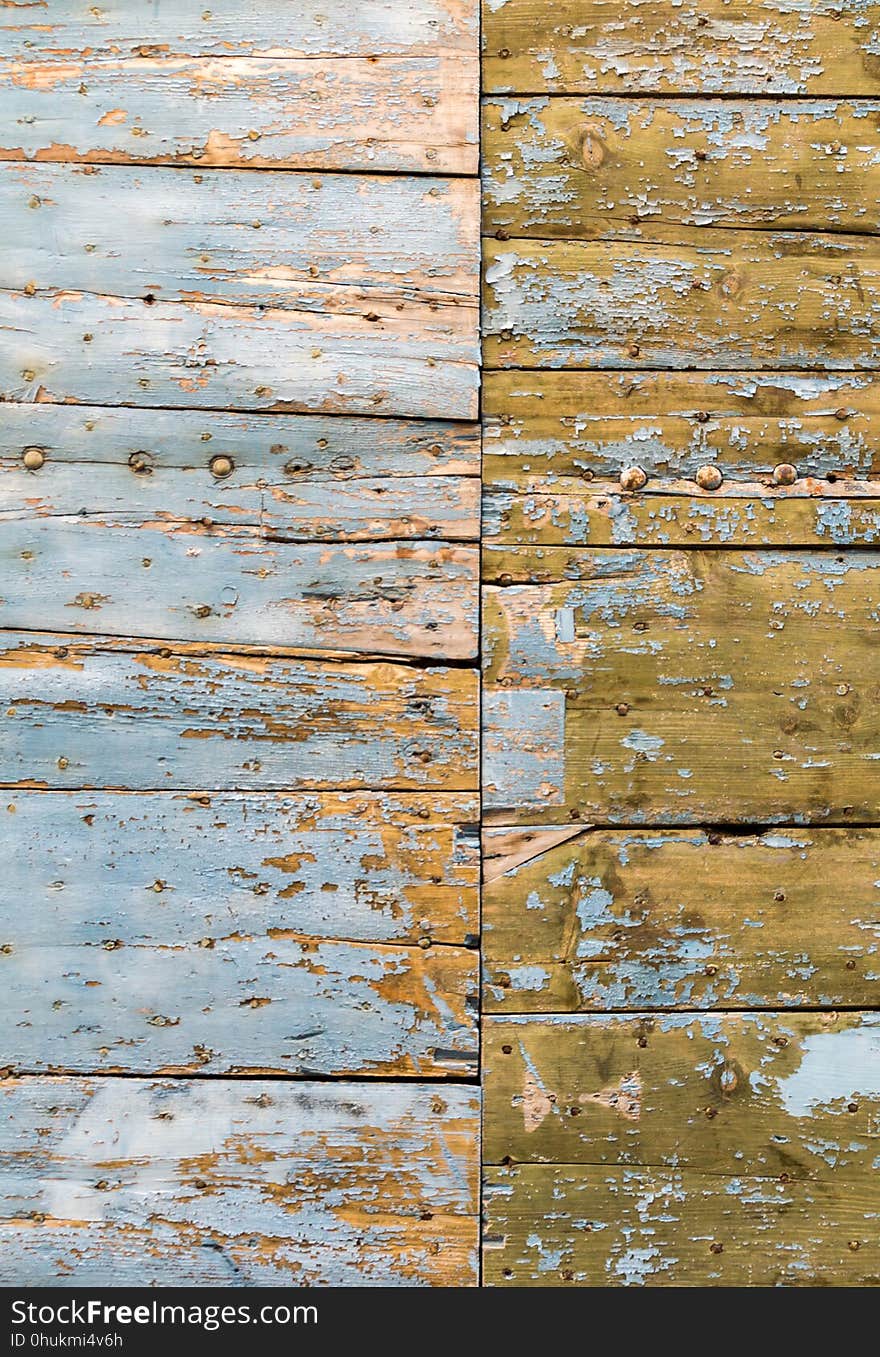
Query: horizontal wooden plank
[710, 47]
[231, 1183]
[234, 87]
[266, 1004]
[554, 1225]
[676, 919]
[404, 114]
[595, 168]
[543, 427]
[795, 1094]
[105, 713]
[77, 347]
[270, 28]
[270, 1002]
[677, 687]
[287, 449]
[298, 477]
[327, 243]
[366, 867]
[288, 508]
[687, 298]
[679, 517]
[230, 585]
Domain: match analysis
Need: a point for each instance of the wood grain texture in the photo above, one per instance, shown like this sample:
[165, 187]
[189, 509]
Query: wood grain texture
[541, 428]
[678, 919]
[394, 87]
[352, 866]
[80, 348]
[730, 1093]
[109, 713]
[557, 444]
[675, 687]
[590, 1225]
[596, 168]
[690, 1150]
[269, 28]
[230, 585]
[681, 516]
[233, 1183]
[298, 478]
[325, 242]
[687, 298]
[712, 47]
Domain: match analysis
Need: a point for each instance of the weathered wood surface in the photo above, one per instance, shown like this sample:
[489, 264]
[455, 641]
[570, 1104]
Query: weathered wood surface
[733, 1093]
[79, 347]
[543, 427]
[109, 713]
[594, 168]
[686, 298]
[298, 478]
[295, 449]
[558, 1225]
[681, 516]
[232, 1183]
[732, 1149]
[230, 585]
[677, 687]
[315, 934]
[256, 28]
[353, 866]
[329, 86]
[557, 444]
[327, 243]
[828, 47]
[684, 919]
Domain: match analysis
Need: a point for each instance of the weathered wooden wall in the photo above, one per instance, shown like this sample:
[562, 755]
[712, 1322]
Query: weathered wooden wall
[239, 522]
[680, 613]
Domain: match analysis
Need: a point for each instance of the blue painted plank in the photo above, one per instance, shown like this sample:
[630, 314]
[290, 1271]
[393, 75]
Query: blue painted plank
[232, 1183]
[103, 713]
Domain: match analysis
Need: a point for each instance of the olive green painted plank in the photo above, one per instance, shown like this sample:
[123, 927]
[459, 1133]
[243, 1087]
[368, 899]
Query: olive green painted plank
[105, 713]
[681, 516]
[677, 687]
[796, 1094]
[326, 242]
[230, 1182]
[188, 582]
[768, 47]
[330, 86]
[597, 168]
[649, 919]
[685, 298]
[298, 477]
[539, 427]
[554, 1225]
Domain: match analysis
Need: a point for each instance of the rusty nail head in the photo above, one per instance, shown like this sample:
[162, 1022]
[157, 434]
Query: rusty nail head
[633, 350]
[633, 478]
[784, 474]
[842, 413]
[33, 458]
[222, 466]
[622, 708]
[709, 477]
